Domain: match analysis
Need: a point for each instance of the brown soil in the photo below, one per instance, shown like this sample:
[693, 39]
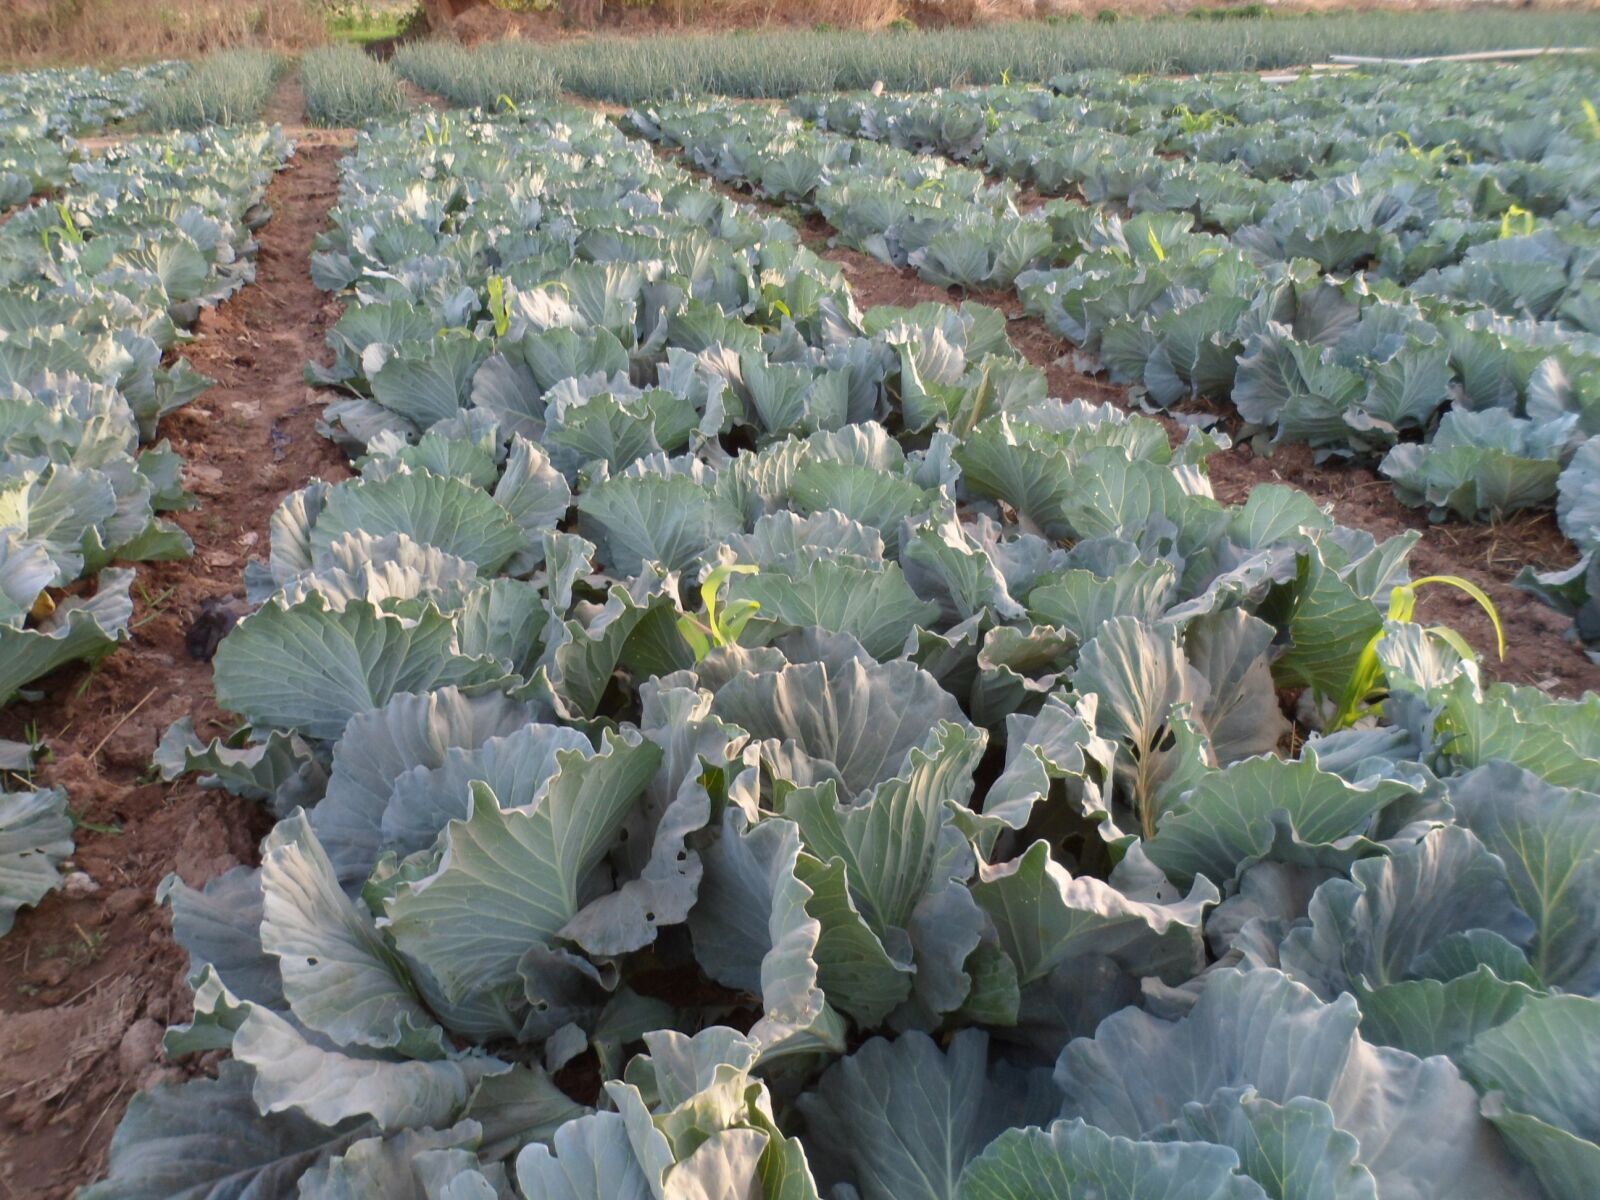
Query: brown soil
[417, 98]
[1537, 648]
[288, 104]
[47, 196]
[85, 983]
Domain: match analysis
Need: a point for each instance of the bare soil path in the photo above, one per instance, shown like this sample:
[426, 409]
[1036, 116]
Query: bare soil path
[87, 982]
[287, 107]
[1537, 649]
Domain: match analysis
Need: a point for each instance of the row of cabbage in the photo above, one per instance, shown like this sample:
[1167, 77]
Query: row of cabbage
[95, 289]
[1467, 182]
[1522, 133]
[42, 112]
[1407, 176]
[847, 778]
[959, 230]
[1498, 385]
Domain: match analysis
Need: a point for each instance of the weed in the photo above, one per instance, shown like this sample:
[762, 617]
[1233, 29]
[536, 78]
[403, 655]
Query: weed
[82, 950]
[1366, 688]
[718, 629]
[110, 829]
[155, 605]
[88, 679]
[1238, 12]
[34, 737]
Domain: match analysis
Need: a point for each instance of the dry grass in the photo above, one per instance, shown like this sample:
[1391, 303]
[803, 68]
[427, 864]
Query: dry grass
[556, 20]
[561, 20]
[105, 31]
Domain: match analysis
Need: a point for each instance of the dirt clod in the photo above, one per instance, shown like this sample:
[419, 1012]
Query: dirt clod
[140, 1045]
[158, 1075]
[216, 617]
[126, 902]
[52, 972]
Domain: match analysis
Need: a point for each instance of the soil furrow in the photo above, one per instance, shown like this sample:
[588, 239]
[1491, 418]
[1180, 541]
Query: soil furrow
[88, 980]
[47, 196]
[1538, 651]
[417, 98]
[287, 105]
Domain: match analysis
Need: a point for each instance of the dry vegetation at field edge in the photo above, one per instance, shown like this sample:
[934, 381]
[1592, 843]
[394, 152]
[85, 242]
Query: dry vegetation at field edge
[550, 20]
[116, 31]
[107, 31]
